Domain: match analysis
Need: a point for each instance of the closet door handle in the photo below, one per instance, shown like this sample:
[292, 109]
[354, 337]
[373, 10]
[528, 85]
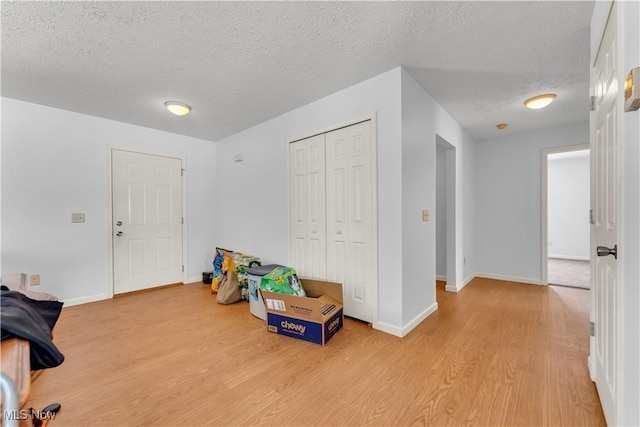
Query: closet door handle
[604, 251]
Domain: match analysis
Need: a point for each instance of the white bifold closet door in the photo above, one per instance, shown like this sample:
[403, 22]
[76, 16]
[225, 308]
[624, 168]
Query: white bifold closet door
[340, 193]
[349, 217]
[308, 247]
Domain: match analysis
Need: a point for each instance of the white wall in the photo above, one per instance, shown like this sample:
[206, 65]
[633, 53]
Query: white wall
[423, 122]
[441, 211]
[55, 162]
[0, 188]
[629, 245]
[469, 231]
[508, 183]
[407, 122]
[569, 201]
[254, 216]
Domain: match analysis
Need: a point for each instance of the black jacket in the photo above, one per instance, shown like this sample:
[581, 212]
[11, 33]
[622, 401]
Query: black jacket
[31, 320]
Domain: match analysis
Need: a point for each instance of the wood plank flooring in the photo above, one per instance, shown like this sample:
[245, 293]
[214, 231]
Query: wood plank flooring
[497, 353]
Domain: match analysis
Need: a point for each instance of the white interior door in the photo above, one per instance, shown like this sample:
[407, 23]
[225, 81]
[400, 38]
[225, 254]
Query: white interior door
[350, 217]
[307, 207]
[147, 221]
[606, 210]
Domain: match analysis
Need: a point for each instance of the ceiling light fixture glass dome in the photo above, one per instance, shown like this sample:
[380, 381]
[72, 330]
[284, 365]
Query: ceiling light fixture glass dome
[178, 108]
[540, 101]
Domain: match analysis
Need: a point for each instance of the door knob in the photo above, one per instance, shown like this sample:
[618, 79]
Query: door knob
[119, 234]
[119, 223]
[604, 251]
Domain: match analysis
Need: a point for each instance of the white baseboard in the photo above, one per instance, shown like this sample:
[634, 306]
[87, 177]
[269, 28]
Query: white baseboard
[196, 279]
[85, 300]
[441, 278]
[459, 287]
[387, 328]
[509, 278]
[419, 318]
[401, 332]
[571, 257]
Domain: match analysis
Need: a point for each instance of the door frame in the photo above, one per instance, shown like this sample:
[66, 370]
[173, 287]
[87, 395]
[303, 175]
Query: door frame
[183, 207]
[451, 274]
[544, 204]
[372, 118]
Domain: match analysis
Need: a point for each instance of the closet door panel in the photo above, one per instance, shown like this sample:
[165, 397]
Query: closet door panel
[359, 223]
[349, 216]
[297, 205]
[307, 246]
[316, 263]
[336, 206]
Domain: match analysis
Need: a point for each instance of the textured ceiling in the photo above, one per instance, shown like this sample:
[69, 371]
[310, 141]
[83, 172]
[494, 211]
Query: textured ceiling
[241, 63]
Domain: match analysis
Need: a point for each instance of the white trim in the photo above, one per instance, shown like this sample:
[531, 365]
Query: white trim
[334, 127]
[372, 118]
[183, 208]
[110, 220]
[603, 8]
[509, 278]
[374, 213]
[441, 278]
[458, 288]
[404, 330]
[190, 280]
[570, 257]
[453, 258]
[387, 328]
[85, 300]
[419, 318]
[183, 178]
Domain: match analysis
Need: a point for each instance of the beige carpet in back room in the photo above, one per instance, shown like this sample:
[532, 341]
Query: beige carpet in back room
[568, 272]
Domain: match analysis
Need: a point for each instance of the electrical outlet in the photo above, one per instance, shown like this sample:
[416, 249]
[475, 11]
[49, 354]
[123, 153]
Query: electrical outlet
[34, 279]
[425, 215]
[77, 218]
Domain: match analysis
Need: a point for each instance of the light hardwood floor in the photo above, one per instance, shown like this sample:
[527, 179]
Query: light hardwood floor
[497, 353]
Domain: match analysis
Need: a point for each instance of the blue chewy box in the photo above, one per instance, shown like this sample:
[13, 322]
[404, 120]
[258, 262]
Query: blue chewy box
[314, 318]
[318, 333]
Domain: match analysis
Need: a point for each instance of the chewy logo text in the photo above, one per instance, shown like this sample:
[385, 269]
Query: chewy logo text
[334, 324]
[293, 326]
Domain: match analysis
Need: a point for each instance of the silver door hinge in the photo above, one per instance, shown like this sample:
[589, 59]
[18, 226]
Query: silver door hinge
[183, 268]
[182, 170]
[593, 103]
[591, 221]
[592, 329]
[182, 220]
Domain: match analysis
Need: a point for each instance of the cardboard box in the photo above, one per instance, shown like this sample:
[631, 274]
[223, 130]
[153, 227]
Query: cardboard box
[314, 318]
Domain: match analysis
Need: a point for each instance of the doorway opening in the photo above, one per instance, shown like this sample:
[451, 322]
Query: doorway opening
[446, 214]
[566, 228]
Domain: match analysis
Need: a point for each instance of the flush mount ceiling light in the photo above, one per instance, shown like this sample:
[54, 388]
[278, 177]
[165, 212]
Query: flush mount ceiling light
[178, 108]
[502, 126]
[540, 101]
